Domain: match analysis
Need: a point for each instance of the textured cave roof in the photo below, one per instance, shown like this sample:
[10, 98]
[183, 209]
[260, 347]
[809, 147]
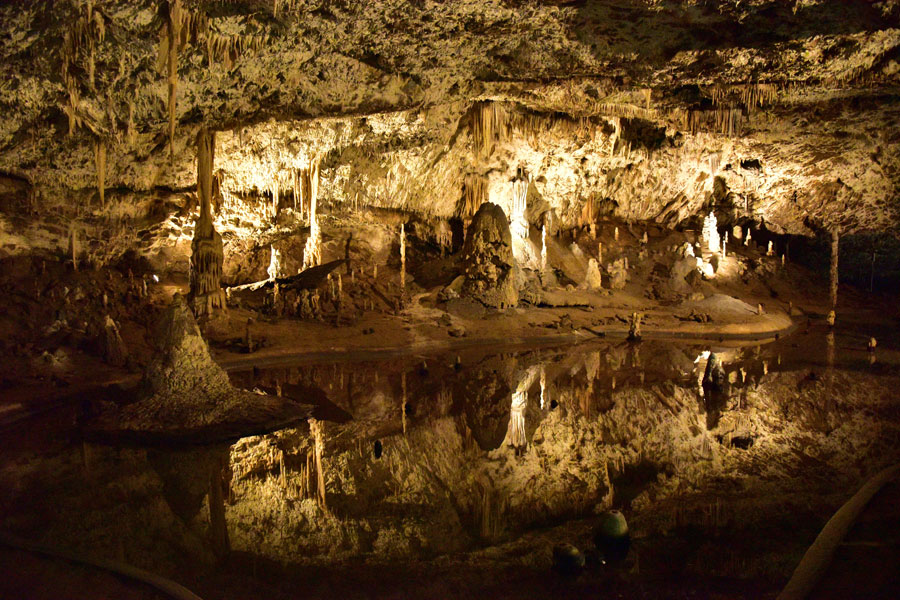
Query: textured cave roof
[836, 66]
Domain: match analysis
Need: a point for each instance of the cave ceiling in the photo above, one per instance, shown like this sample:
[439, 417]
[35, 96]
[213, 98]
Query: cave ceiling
[642, 105]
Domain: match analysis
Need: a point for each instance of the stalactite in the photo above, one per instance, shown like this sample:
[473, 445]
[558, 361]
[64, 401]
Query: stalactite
[489, 124]
[207, 253]
[170, 45]
[87, 30]
[100, 164]
[750, 95]
[131, 132]
[587, 213]
[74, 248]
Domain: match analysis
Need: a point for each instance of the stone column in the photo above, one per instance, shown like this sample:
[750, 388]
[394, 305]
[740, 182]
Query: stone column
[207, 254]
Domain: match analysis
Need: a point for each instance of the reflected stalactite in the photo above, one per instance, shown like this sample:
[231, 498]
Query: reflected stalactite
[489, 512]
[317, 429]
[715, 390]
[218, 527]
[829, 379]
[833, 271]
[515, 433]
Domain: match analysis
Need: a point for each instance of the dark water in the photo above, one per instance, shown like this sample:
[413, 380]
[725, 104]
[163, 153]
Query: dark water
[434, 456]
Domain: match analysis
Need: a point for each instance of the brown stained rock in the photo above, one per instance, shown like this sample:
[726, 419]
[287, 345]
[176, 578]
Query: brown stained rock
[488, 262]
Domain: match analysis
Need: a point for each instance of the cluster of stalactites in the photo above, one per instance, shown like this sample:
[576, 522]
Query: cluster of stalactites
[87, 30]
[489, 124]
[474, 194]
[493, 123]
[751, 95]
[730, 103]
[207, 254]
[181, 27]
[726, 120]
[309, 188]
[282, 6]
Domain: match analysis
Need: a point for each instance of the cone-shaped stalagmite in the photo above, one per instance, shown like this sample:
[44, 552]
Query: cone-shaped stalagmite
[207, 255]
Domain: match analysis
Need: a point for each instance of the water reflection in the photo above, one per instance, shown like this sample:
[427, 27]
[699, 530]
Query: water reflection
[419, 459]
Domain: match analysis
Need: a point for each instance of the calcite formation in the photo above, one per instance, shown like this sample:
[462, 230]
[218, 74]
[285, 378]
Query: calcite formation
[184, 392]
[207, 254]
[488, 262]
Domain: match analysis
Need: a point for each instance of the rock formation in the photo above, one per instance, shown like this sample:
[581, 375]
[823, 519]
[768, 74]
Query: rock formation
[488, 263]
[184, 392]
[207, 254]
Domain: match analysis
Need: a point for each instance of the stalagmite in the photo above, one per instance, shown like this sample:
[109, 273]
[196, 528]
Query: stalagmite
[114, 351]
[100, 163]
[710, 234]
[644, 239]
[833, 272]
[782, 260]
[543, 387]
[616, 234]
[770, 251]
[274, 268]
[724, 245]
[543, 248]
[634, 329]
[312, 252]
[207, 254]
[593, 229]
[747, 237]
[600, 252]
[593, 279]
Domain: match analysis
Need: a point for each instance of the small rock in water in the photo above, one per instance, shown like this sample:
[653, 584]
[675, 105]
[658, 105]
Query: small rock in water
[612, 537]
[567, 559]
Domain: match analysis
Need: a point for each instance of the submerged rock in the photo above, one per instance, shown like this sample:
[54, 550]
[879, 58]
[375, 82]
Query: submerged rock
[612, 537]
[567, 559]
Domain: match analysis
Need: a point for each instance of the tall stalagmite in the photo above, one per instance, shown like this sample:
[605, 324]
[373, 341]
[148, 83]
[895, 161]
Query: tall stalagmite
[312, 252]
[207, 255]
